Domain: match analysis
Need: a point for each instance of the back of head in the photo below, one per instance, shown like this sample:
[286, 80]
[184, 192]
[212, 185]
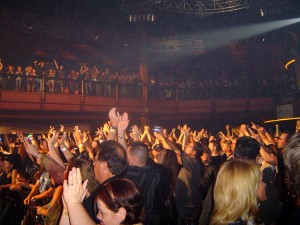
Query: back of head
[227, 142]
[292, 162]
[140, 151]
[170, 159]
[204, 141]
[216, 144]
[86, 171]
[246, 148]
[235, 191]
[114, 155]
[198, 148]
[124, 193]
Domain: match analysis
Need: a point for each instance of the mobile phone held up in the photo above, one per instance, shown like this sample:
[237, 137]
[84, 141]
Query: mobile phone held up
[157, 129]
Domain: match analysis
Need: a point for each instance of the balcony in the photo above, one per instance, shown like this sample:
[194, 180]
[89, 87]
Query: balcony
[53, 98]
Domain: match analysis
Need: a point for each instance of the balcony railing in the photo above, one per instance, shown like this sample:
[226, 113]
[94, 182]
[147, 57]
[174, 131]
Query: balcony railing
[24, 83]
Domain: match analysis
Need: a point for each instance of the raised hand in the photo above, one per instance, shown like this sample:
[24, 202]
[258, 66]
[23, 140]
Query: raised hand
[261, 129]
[62, 128]
[51, 129]
[62, 139]
[85, 137]
[123, 122]
[78, 135]
[114, 117]
[106, 128]
[30, 148]
[54, 138]
[146, 129]
[254, 126]
[74, 190]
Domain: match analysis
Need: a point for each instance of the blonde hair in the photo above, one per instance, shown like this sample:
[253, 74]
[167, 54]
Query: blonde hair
[235, 192]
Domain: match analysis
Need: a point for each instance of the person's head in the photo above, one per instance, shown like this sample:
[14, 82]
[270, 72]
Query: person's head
[12, 161]
[135, 132]
[292, 162]
[206, 156]
[22, 151]
[86, 171]
[137, 154]
[166, 158]
[119, 202]
[109, 161]
[283, 139]
[246, 148]
[236, 192]
[194, 149]
[204, 141]
[214, 146]
[226, 146]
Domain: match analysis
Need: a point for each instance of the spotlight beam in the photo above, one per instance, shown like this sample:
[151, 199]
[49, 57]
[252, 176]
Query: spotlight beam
[222, 37]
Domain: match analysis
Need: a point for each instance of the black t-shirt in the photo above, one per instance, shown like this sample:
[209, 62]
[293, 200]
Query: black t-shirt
[218, 160]
[155, 184]
[188, 181]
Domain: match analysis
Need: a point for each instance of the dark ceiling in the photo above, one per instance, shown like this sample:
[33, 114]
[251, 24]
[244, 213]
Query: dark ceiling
[99, 32]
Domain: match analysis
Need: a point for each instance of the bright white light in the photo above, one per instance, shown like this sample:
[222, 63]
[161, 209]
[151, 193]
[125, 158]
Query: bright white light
[261, 12]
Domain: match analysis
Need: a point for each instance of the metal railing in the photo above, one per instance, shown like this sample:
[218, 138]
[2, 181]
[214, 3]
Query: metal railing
[25, 83]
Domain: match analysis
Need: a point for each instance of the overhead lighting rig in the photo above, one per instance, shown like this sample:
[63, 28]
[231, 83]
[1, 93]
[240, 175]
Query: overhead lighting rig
[196, 7]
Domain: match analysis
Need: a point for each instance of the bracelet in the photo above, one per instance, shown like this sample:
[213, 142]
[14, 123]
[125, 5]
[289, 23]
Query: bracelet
[113, 130]
[63, 149]
[80, 145]
[121, 137]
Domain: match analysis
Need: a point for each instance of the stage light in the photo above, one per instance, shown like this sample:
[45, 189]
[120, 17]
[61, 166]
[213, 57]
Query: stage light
[284, 119]
[261, 12]
[289, 63]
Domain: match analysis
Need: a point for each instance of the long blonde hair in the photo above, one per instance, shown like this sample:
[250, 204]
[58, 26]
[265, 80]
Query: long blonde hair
[235, 192]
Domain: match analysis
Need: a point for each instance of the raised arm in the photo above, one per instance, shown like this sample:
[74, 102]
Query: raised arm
[169, 145]
[73, 193]
[267, 157]
[114, 117]
[122, 126]
[53, 148]
[62, 142]
[56, 170]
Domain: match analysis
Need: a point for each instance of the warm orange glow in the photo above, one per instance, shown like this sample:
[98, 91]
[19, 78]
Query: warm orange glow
[289, 62]
[284, 119]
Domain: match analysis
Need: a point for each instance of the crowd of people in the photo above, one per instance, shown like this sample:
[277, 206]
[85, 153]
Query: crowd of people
[127, 175]
[89, 80]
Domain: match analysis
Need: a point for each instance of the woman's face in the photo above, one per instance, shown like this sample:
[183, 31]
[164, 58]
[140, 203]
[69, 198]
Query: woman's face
[105, 215]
